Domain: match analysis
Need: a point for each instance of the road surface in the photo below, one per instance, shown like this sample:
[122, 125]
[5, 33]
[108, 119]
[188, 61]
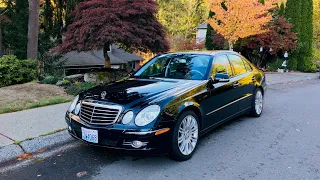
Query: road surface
[282, 144]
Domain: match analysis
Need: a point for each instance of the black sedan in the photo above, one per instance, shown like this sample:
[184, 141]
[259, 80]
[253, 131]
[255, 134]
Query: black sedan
[169, 103]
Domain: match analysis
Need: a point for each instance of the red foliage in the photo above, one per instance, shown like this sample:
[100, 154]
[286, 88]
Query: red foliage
[279, 37]
[186, 44]
[130, 23]
[218, 40]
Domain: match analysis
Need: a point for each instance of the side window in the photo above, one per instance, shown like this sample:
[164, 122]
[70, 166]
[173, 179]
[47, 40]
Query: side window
[237, 64]
[221, 65]
[246, 64]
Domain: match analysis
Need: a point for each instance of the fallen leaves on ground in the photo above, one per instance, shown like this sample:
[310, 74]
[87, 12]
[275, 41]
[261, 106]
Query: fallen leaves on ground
[24, 156]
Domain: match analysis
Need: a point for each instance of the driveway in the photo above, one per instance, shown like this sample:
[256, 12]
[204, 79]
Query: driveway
[282, 144]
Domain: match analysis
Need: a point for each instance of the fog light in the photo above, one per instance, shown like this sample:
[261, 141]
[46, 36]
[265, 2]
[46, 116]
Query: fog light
[137, 144]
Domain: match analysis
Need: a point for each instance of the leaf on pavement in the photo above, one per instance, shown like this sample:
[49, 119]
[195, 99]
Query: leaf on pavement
[24, 156]
[41, 150]
[81, 174]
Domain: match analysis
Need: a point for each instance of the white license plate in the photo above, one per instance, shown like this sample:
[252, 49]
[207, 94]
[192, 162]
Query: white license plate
[89, 135]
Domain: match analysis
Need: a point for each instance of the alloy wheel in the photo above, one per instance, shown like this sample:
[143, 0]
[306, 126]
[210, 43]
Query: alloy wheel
[188, 135]
[259, 102]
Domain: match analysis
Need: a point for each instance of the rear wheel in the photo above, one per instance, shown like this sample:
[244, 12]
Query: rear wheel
[185, 136]
[257, 103]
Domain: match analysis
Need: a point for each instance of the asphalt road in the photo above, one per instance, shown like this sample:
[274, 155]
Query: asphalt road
[282, 144]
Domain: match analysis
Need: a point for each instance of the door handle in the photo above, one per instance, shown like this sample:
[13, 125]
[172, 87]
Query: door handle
[236, 84]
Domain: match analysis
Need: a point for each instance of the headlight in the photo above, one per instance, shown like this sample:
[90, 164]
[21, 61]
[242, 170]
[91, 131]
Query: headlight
[147, 115]
[73, 104]
[77, 109]
[127, 117]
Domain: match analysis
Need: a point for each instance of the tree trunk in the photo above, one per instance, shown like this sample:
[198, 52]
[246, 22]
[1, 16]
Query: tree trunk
[1, 43]
[230, 45]
[33, 29]
[107, 62]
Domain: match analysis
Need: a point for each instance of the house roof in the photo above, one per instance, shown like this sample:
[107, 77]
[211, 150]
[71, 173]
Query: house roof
[96, 57]
[202, 26]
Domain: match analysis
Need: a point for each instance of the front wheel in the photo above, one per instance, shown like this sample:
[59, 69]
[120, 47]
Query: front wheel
[257, 104]
[185, 136]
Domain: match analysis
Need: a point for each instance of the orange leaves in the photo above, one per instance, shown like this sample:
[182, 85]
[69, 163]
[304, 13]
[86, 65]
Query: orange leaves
[236, 19]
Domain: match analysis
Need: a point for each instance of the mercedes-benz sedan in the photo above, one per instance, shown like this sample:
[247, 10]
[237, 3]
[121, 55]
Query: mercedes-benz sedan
[169, 103]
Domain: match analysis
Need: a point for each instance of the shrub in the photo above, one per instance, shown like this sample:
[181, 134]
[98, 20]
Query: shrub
[273, 66]
[15, 71]
[50, 80]
[77, 87]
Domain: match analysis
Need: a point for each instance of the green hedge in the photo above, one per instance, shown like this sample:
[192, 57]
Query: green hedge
[15, 71]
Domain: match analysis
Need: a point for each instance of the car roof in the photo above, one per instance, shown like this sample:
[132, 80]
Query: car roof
[212, 53]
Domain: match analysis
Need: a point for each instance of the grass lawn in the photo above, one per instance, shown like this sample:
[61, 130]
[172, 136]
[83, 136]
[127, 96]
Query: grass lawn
[31, 95]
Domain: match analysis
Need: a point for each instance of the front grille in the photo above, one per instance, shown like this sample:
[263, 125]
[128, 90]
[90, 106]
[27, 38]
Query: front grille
[99, 114]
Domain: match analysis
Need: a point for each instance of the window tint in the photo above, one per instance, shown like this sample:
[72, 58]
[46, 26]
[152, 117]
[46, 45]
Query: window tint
[237, 64]
[221, 65]
[248, 67]
[176, 66]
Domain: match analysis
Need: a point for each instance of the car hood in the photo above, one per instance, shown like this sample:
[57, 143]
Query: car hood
[139, 91]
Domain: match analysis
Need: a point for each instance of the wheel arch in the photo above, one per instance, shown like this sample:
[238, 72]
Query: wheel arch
[194, 108]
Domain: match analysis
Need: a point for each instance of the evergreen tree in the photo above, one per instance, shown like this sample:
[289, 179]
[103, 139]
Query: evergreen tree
[281, 10]
[15, 33]
[299, 13]
[209, 41]
[306, 36]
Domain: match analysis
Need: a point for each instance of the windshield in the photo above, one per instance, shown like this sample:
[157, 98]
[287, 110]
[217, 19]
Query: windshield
[176, 66]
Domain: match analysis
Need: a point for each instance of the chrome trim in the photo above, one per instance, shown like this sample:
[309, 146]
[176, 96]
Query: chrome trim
[225, 119]
[129, 143]
[144, 133]
[97, 113]
[246, 96]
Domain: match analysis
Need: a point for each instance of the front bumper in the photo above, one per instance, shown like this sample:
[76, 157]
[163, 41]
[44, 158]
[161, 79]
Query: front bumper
[119, 138]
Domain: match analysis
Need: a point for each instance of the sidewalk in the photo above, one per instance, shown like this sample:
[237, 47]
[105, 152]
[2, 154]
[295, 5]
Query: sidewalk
[19, 126]
[28, 124]
[279, 78]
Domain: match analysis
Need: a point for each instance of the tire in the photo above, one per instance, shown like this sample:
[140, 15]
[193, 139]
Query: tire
[257, 103]
[185, 141]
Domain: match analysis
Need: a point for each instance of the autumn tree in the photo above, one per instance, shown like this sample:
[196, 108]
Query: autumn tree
[279, 38]
[180, 17]
[240, 19]
[316, 23]
[100, 23]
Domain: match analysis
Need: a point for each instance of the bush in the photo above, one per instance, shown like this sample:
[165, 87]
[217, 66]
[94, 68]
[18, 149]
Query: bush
[52, 65]
[50, 80]
[77, 87]
[15, 71]
[273, 66]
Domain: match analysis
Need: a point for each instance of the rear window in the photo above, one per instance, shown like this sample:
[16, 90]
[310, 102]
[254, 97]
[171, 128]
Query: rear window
[238, 65]
[246, 64]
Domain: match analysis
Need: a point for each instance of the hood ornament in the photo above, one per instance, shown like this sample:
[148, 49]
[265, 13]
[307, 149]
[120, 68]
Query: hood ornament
[103, 94]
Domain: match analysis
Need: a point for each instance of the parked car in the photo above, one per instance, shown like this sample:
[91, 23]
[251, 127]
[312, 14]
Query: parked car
[169, 103]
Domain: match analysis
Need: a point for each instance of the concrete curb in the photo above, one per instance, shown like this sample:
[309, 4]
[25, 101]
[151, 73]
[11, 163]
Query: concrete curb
[10, 152]
[34, 146]
[293, 81]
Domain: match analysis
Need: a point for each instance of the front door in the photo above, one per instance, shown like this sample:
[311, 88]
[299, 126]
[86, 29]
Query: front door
[219, 105]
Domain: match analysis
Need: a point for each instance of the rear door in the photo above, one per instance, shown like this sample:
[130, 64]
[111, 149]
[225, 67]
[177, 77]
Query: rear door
[243, 82]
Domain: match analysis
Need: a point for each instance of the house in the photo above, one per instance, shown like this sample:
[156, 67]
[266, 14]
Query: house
[119, 59]
[201, 32]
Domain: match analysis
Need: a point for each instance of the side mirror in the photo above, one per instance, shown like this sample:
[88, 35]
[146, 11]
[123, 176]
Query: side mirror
[221, 78]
